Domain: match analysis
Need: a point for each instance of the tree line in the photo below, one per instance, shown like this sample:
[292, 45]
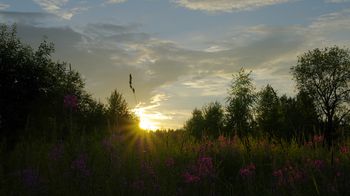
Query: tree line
[320, 107]
[43, 98]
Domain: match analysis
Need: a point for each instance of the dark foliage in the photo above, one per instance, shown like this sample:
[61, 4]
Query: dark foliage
[40, 97]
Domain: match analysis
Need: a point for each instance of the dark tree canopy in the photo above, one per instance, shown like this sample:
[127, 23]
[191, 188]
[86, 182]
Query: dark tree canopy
[195, 125]
[240, 103]
[213, 119]
[325, 75]
[117, 111]
[269, 114]
[33, 89]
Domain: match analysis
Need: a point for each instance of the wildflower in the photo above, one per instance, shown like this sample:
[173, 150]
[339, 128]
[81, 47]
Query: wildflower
[223, 141]
[169, 162]
[80, 165]
[30, 178]
[70, 101]
[318, 164]
[56, 152]
[280, 177]
[107, 144]
[205, 166]
[148, 169]
[338, 174]
[138, 185]
[248, 171]
[344, 150]
[318, 138]
[190, 178]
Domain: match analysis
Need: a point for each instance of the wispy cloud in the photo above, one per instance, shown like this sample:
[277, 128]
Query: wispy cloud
[59, 8]
[170, 80]
[28, 18]
[116, 1]
[226, 5]
[4, 6]
[337, 1]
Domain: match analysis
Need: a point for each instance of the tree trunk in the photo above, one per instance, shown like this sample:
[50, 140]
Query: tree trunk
[329, 132]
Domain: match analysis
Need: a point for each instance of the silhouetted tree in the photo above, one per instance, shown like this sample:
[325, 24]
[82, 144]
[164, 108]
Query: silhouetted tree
[299, 117]
[213, 119]
[240, 104]
[117, 111]
[33, 89]
[269, 114]
[195, 125]
[324, 74]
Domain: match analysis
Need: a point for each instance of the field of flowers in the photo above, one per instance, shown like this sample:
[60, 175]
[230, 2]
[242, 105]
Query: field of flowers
[172, 163]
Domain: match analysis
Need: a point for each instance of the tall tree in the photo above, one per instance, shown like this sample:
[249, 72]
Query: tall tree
[325, 75]
[240, 103]
[195, 125]
[33, 89]
[117, 111]
[269, 114]
[213, 119]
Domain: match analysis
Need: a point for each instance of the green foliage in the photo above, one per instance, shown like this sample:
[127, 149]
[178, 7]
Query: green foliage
[33, 88]
[269, 114]
[195, 125]
[213, 119]
[158, 163]
[206, 122]
[240, 104]
[325, 75]
[117, 111]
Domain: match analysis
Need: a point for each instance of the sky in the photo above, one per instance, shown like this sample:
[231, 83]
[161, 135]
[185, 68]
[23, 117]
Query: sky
[181, 53]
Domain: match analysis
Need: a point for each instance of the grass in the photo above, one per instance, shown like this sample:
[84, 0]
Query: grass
[172, 163]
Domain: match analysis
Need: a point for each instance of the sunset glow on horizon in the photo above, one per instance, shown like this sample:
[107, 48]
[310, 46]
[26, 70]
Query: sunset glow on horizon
[146, 122]
[181, 54]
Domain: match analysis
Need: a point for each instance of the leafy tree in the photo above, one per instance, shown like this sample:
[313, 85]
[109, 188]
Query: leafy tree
[299, 116]
[117, 111]
[240, 104]
[195, 125]
[269, 115]
[324, 74]
[213, 119]
[33, 88]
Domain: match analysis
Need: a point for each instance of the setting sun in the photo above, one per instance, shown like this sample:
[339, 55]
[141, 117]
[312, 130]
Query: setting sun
[145, 122]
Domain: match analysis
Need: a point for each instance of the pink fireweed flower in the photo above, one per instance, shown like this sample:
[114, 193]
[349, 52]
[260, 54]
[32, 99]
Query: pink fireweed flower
[223, 141]
[344, 150]
[318, 164]
[80, 165]
[205, 166]
[279, 176]
[169, 162]
[138, 185]
[248, 171]
[30, 178]
[318, 138]
[70, 101]
[56, 152]
[190, 178]
[107, 144]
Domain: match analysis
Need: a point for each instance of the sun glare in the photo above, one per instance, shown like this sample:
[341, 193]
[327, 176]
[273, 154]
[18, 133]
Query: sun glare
[145, 122]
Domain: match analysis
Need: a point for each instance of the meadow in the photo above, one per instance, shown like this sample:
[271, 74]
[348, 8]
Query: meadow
[173, 163]
[56, 139]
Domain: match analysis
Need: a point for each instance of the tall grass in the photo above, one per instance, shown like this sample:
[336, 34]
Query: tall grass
[172, 163]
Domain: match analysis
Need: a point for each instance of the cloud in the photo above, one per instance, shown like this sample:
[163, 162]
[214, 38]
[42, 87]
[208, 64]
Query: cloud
[337, 1]
[226, 5]
[29, 18]
[59, 8]
[170, 80]
[4, 6]
[115, 1]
